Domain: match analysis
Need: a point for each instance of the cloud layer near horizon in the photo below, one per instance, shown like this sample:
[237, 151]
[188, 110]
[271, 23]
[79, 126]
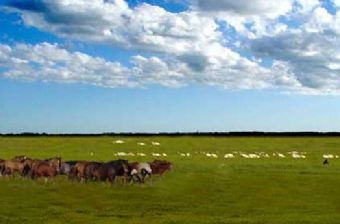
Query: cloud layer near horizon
[292, 46]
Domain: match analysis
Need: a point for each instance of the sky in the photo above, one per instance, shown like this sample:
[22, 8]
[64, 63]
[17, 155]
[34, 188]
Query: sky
[79, 66]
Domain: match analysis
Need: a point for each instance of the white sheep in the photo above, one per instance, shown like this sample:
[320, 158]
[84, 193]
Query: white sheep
[281, 155]
[121, 154]
[298, 156]
[244, 155]
[253, 156]
[155, 143]
[229, 155]
[141, 143]
[328, 156]
[182, 154]
[214, 155]
[140, 154]
[119, 141]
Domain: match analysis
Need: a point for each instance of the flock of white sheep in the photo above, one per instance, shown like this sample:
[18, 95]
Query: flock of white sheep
[138, 143]
[234, 154]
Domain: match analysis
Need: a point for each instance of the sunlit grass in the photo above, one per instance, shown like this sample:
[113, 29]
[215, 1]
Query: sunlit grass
[199, 190]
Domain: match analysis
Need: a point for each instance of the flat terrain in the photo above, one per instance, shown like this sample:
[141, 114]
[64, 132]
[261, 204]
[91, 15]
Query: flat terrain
[200, 189]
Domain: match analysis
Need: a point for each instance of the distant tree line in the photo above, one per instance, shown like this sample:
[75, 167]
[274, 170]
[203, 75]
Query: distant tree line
[174, 134]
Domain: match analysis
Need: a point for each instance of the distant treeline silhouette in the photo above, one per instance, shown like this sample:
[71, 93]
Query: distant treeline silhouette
[174, 134]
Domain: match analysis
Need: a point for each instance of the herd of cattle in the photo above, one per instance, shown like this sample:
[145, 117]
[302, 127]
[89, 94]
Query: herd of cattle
[83, 170]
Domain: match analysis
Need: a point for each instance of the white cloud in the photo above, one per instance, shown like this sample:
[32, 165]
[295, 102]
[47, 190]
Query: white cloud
[145, 27]
[299, 38]
[311, 52]
[254, 18]
[50, 63]
[269, 8]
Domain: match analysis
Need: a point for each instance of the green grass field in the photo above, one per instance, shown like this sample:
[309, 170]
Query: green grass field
[199, 190]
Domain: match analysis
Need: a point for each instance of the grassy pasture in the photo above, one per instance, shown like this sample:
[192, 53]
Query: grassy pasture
[200, 190]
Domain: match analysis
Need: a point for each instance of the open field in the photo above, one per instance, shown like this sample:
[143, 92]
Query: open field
[201, 189]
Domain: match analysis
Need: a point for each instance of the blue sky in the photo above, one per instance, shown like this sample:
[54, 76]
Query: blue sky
[154, 66]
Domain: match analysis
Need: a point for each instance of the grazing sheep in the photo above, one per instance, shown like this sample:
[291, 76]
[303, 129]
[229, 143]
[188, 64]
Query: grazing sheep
[164, 154]
[119, 141]
[214, 155]
[140, 154]
[253, 156]
[229, 155]
[281, 155]
[244, 155]
[265, 155]
[298, 156]
[156, 154]
[121, 154]
[328, 156]
[141, 143]
[181, 154]
[155, 143]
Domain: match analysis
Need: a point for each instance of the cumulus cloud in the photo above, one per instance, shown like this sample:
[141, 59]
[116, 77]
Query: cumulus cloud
[269, 8]
[255, 18]
[50, 63]
[233, 44]
[146, 27]
[191, 46]
[311, 51]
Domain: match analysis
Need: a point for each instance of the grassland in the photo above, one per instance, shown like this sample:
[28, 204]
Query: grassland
[200, 190]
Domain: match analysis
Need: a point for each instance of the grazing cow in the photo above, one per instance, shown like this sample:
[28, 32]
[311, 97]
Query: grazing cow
[66, 167]
[140, 171]
[160, 166]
